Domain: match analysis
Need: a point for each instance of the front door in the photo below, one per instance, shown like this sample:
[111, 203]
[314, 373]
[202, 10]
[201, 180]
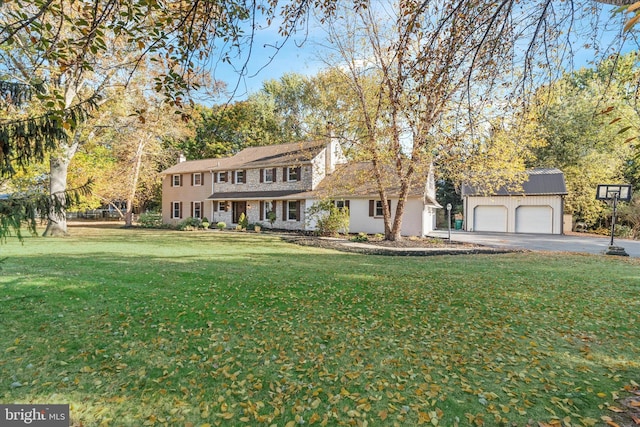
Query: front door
[238, 209]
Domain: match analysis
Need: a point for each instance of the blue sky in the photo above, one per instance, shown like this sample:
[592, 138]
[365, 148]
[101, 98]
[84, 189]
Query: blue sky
[300, 54]
[270, 58]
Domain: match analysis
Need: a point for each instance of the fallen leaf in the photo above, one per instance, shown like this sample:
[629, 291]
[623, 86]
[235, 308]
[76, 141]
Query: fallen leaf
[314, 418]
[608, 421]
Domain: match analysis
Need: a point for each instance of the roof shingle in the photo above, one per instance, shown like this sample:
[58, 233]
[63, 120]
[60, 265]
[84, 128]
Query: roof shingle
[255, 157]
[357, 179]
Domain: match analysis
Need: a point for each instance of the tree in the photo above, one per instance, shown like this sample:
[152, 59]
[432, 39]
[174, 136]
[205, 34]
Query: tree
[67, 79]
[293, 98]
[419, 57]
[26, 142]
[128, 143]
[226, 129]
[586, 122]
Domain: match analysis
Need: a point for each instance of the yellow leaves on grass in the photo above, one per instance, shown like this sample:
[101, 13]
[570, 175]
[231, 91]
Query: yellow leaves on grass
[608, 421]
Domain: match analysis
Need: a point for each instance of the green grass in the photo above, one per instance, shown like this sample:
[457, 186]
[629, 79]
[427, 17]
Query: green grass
[139, 327]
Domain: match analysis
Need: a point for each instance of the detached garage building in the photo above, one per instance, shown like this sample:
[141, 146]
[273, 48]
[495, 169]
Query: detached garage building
[537, 207]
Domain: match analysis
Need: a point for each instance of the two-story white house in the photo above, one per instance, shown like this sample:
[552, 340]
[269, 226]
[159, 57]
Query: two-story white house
[280, 182]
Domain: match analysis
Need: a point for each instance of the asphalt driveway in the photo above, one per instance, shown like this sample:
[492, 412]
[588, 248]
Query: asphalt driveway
[542, 242]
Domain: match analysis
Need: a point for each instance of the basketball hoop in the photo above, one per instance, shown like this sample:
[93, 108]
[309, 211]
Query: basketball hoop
[614, 192]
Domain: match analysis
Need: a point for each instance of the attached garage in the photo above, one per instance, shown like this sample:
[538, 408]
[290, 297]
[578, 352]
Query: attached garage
[490, 218]
[536, 206]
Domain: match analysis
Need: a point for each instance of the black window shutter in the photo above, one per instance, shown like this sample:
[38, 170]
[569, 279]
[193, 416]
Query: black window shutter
[215, 177]
[261, 210]
[273, 179]
[285, 178]
[298, 203]
[299, 173]
[180, 209]
[233, 177]
[284, 210]
[261, 175]
[226, 176]
[372, 207]
[347, 204]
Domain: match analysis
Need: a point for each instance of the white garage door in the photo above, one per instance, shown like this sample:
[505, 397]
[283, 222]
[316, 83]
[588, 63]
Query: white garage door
[490, 218]
[534, 219]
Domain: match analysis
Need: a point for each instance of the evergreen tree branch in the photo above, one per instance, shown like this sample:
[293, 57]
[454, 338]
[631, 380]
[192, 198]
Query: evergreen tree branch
[25, 140]
[20, 210]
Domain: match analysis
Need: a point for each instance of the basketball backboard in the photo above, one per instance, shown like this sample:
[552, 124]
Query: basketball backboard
[608, 191]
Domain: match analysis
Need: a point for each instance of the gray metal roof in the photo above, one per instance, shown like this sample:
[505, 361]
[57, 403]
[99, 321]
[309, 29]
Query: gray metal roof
[539, 181]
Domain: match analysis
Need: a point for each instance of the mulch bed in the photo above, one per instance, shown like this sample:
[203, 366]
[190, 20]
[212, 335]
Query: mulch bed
[403, 247]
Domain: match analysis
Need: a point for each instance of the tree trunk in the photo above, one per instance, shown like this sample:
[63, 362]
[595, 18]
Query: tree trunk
[58, 167]
[128, 217]
[397, 221]
[57, 218]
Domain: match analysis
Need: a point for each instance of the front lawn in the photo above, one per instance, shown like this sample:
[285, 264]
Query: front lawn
[139, 327]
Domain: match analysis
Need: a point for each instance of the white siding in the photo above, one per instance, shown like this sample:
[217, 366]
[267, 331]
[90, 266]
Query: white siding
[418, 220]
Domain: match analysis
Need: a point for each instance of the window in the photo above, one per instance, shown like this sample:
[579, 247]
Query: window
[196, 179]
[222, 177]
[379, 209]
[222, 206]
[177, 181]
[197, 210]
[375, 208]
[341, 204]
[292, 174]
[176, 209]
[293, 210]
[268, 207]
[268, 175]
[239, 177]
